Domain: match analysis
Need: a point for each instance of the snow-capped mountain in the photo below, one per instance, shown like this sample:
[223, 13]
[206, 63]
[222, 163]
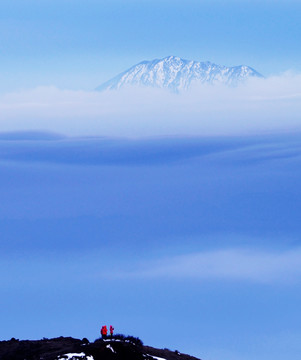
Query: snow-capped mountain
[178, 74]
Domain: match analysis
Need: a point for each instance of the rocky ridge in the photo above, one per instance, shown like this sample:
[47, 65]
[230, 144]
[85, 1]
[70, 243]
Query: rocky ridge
[66, 348]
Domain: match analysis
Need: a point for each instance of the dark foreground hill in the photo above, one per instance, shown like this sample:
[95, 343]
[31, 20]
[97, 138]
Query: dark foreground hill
[67, 348]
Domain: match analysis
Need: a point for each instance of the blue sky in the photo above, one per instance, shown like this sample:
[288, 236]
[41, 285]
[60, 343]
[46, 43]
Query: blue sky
[175, 218]
[79, 44]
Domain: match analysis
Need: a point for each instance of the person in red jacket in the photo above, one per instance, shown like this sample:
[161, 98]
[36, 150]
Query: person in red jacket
[104, 331]
[111, 330]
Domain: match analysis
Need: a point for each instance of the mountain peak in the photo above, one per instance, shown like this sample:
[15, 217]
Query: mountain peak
[177, 74]
[172, 58]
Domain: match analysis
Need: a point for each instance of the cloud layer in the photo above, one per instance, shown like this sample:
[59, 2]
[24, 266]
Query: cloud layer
[230, 264]
[260, 106]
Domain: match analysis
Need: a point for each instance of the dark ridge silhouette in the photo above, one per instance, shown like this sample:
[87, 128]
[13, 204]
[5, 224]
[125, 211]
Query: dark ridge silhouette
[118, 347]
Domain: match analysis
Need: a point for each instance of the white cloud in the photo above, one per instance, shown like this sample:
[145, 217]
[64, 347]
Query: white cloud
[231, 264]
[268, 105]
[245, 265]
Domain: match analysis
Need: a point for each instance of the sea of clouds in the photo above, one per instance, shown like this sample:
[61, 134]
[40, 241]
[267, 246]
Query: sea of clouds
[258, 106]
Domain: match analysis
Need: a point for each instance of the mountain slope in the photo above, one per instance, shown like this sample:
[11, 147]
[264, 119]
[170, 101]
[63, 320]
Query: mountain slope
[178, 74]
[62, 348]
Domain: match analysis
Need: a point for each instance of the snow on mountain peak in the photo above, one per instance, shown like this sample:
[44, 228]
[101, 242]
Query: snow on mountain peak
[178, 74]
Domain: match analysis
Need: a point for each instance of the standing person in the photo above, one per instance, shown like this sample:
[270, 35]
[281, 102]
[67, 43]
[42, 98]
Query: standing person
[111, 330]
[104, 332]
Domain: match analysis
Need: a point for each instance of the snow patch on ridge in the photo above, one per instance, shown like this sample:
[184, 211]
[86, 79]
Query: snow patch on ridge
[110, 347]
[156, 357]
[75, 356]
